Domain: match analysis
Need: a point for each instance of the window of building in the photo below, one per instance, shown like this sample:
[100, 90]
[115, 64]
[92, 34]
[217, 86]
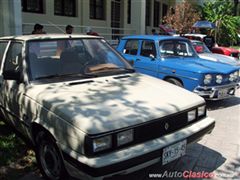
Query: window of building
[148, 49]
[129, 12]
[164, 10]
[156, 19]
[131, 47]
[34, 6]
[97, 10]
[65, 7]
[115, 18]
[148, 13]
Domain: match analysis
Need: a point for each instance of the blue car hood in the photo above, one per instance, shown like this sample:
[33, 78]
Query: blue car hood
[199, 65]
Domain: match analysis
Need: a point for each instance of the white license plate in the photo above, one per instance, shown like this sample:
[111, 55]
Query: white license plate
[223, 93]
[173, 152]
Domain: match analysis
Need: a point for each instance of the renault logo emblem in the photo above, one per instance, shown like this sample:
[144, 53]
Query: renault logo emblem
[166, 126]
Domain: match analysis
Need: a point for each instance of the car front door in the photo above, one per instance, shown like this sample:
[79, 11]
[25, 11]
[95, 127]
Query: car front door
[12, 86]
[130, 50]
[146, 60]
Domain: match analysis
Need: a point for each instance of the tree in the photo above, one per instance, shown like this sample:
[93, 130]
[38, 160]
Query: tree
[235, 7]
[182, 17]
[221, 13]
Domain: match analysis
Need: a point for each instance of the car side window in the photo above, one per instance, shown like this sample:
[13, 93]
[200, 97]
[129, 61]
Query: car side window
[167, 48]
[131, 47]
[148, 49]
[3, 46]
[14, 57]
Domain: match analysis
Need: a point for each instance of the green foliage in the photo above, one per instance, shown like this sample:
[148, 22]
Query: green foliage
[16, 159]
[221, 12]
[182, 17]
[9, 148]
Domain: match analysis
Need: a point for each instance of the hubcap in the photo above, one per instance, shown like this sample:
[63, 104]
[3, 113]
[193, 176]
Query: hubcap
[50, 161]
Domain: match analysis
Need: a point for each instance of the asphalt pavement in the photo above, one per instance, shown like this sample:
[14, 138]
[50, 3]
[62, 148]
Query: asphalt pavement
[216, 156]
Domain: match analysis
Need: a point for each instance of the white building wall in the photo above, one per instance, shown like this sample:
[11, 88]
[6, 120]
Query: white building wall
[10, 17]
[52, 23]
[167, 2]
[13, 21]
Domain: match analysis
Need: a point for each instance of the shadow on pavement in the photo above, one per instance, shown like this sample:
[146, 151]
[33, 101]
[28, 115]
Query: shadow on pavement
[198, 158]
[220, 104]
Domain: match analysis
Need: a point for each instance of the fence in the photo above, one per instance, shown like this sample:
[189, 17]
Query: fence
[106, 32]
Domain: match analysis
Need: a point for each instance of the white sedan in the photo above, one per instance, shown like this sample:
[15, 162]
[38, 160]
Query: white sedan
[88, 113]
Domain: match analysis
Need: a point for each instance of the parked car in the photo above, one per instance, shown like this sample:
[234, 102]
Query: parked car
[86, 111]
[174, 60]
[228, 51]
[205, 53]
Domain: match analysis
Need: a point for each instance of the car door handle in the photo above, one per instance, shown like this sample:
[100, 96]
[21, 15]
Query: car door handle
[138, 59]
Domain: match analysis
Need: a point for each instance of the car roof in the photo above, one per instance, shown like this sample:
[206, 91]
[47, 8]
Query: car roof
[154, 37]
[196, 41]
[47, 37]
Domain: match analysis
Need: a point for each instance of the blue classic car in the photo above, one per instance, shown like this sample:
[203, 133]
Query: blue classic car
[175, 60]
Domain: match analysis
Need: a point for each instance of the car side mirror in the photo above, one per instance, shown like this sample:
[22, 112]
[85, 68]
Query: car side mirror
[12, 75]
[152, 57]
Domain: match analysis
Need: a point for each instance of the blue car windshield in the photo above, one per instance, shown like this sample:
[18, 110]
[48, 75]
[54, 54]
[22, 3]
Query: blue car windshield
[176, 48]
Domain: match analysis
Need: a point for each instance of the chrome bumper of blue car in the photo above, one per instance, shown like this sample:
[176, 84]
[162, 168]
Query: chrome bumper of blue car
[217, 92]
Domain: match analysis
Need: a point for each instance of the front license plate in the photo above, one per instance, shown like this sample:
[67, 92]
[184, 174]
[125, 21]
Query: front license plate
[173, 152]
[223, 93]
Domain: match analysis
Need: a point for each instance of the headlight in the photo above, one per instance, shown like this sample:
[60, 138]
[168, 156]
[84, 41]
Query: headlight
[102, 143]
[191, 115]
[219, 79]
[201, 110]
[124, 137]
[235, 74]
[207, 79]
[231, 77]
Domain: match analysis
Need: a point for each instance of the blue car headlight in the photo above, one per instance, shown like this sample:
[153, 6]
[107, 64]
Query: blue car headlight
[207, 79]
[219, 79]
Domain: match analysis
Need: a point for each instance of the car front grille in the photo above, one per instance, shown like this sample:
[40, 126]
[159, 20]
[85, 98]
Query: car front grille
[148, 131]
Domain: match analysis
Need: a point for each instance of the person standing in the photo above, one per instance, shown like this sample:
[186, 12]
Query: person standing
[209, 40]
[154, 32]
[38, 29]
[69, 29]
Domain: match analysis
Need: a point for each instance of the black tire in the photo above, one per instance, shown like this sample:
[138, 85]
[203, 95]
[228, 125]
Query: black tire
[175, 82]
[49, 158]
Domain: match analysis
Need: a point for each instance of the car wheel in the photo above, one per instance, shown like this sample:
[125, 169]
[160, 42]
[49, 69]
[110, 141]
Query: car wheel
[175, 82]
[49, 158]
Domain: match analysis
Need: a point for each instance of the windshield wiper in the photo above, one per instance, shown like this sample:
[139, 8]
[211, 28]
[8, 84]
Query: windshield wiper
[47, 77]
[66, 75]
[130, 70]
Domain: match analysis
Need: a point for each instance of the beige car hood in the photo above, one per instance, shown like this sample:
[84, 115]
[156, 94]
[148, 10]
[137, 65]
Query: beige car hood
[109, 103]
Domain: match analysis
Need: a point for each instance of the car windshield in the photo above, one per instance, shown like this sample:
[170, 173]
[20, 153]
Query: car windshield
[68, 58]
[176, 48]
[200, 47]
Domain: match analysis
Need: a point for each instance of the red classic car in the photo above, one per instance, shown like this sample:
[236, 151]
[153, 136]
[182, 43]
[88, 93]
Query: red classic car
[219, 50]
[227, 51]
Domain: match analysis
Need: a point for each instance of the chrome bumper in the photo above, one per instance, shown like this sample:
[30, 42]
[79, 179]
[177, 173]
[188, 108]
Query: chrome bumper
[217, 92]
